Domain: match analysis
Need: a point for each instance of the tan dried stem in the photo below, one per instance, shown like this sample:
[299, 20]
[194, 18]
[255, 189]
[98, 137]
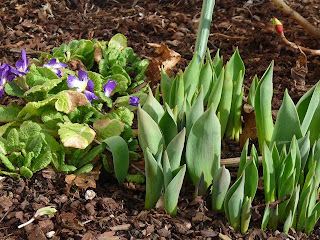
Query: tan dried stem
[298, 18]
[300, 48]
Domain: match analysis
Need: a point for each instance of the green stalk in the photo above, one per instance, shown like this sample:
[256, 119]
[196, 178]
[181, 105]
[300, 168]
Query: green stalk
[204, 28]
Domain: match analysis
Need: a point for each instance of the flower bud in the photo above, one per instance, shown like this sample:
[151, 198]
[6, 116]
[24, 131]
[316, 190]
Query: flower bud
[277, 25]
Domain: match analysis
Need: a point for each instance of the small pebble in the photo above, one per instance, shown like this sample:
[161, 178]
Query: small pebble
[50, 234]
[89, 195]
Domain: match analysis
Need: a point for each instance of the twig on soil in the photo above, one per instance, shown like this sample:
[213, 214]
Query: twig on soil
[234, 162]
[298, 18]
[28, 52]
[137, 169]
[227, 36]
[296, 46]
[272, 204]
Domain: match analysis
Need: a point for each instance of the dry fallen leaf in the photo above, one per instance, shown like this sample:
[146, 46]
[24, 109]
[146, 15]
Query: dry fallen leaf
[84, 181]
[250, 129]
[167, 58]
[75, 64]
[97, 53]
[70, 221]
[299, 72]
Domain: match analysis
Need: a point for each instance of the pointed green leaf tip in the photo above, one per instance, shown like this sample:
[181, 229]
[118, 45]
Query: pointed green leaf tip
[120, 154]
[204, 148]
[276, 21]
[149, 133]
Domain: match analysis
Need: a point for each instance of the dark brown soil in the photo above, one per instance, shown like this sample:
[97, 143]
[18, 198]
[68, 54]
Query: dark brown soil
[117, 212]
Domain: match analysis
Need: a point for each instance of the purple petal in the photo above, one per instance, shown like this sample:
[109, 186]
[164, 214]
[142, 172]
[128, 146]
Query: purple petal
[25, 60]
[90, 86]
[22, 65]
[134, 101]
[83, 76]
[57, 72]
[109, 87]
[10, 71]
[74, 82]
[1, 91]
[54, 64]
[3, 79]
[90, 95]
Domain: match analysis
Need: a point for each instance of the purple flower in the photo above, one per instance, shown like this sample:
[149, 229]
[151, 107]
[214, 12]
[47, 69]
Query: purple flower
[21, 65]
[134, 101]
[82, 84]
[109, 87]
[5, 76]
[10, 71]
[54, 66]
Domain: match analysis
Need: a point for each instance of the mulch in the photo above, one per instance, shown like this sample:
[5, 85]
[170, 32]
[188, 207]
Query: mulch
[117, 212]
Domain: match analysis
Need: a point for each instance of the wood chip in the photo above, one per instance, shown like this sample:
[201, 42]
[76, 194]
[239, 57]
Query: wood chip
[123, 227]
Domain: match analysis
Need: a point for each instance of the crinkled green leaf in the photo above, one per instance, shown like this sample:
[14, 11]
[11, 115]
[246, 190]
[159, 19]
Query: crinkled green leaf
[51, 118]
[12, 140]
[29, 130]
[26, 172]
[6, 162]
[35, 145]
[42, 161]
[123, 114]
[118, 41]
[116, 69]
[108, 128]
[85, 169]
[97, 79]
[65, 101]
[45, 87]
[9, 113]
[76, 135]
[39, 75]
[13, 89]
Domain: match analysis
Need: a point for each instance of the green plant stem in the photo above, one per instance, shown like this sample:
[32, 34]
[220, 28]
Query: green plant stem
[204, 28]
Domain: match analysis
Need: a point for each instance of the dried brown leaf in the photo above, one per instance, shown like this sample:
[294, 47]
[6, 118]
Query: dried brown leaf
[97, 53]
[166, 58]
[299, 72]
[84, 181]
[250, 128]
[76, 64]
